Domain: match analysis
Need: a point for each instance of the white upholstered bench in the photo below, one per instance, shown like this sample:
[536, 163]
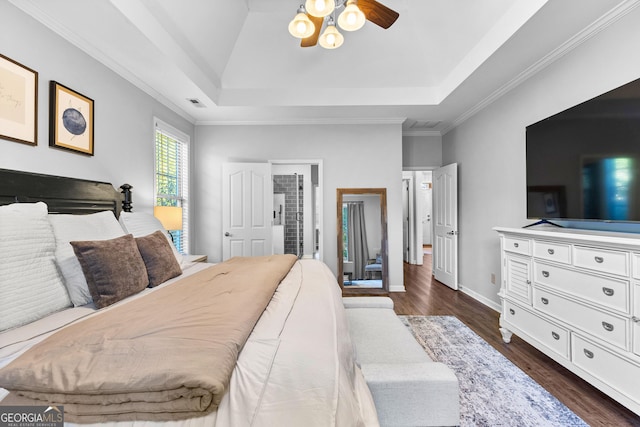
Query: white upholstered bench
[408, 388]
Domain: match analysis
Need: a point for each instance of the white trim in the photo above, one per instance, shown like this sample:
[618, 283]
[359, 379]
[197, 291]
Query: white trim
[305, 121]
[320, 212]
[31, 8]
[480, 298]
[170, 130]
[600, 24]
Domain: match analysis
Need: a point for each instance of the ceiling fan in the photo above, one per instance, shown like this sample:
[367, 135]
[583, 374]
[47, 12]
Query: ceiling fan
[314, 14]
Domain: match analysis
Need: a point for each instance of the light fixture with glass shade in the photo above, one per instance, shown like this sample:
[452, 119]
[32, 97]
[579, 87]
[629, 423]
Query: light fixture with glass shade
[301, 26]
[351, 18]
[331, 37]
[320, 8]
[317, 15]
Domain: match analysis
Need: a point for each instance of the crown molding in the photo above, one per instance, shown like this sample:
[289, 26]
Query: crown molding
[31, 9]
[305, 122]
[591, 30]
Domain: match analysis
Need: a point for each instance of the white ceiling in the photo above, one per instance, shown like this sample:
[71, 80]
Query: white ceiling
[441, 61]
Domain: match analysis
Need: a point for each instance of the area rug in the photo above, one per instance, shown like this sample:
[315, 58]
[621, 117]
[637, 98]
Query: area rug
[493, 391]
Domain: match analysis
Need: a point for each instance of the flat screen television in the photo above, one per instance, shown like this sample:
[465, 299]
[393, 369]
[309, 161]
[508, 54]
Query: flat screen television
[584, 163]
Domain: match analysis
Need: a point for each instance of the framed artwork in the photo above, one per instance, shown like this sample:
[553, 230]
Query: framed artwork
[71, 120]
[18, 102]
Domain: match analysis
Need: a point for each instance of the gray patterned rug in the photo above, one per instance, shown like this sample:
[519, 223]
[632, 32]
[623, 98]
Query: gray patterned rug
[493, 391]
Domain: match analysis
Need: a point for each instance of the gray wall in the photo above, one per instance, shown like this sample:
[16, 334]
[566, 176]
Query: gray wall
[421, 152]
[490, 147]
[354, 156]
[124, 133]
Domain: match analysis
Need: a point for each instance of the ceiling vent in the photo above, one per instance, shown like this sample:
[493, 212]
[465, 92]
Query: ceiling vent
[196, 103]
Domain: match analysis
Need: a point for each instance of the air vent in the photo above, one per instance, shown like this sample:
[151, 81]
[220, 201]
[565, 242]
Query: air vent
[196, 103]
[424, 125]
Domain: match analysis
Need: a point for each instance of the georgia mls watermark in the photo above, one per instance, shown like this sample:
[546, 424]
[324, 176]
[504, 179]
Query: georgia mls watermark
[31, 416]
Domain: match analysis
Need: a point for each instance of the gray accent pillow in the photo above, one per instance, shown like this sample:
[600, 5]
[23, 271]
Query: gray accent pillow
[158, 258]
[114, 268]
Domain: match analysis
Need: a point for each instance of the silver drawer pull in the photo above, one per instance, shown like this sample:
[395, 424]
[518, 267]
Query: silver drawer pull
[551, 251]
[608, 291]
[599, 259]
[635, 319]
[512, 311]
[555, 335]
[545, 273]
[544, 300]
[528, 282]
[607, 326]
[588, 353]
[515, 245]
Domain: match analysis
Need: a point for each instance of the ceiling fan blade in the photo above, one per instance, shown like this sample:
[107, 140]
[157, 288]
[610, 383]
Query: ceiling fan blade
[312, 40]
[378, 13]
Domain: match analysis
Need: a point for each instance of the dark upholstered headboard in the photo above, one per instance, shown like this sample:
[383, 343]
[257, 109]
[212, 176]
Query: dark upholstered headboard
[63, 195]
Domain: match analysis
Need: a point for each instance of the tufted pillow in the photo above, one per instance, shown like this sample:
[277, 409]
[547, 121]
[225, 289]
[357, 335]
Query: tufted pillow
[158, 258]
[142, 224]
[97, 226]
[30, 285]
[113, 268]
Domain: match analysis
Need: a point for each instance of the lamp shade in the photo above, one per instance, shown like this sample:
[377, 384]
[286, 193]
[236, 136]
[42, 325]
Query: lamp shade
[331, 38]
[301, 26]
[320, 8]
[169, 216]
[351, 18]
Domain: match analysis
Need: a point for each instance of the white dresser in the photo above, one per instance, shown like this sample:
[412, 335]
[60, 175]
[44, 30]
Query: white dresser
[575, 296]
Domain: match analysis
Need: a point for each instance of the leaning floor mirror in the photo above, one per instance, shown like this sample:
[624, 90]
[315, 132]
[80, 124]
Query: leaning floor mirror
[362, 240]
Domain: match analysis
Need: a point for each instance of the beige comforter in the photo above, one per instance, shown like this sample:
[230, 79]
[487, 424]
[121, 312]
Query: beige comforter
[163, 357]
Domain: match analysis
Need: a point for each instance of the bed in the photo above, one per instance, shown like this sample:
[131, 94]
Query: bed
[252, 341]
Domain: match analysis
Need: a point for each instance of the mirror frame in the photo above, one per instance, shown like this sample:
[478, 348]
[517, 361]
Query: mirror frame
[382, 192]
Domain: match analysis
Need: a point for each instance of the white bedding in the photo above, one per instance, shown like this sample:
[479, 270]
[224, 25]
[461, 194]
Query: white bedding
[297, 367]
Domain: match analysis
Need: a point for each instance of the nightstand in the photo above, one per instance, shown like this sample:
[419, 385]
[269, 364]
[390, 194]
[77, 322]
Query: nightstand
[194, 258]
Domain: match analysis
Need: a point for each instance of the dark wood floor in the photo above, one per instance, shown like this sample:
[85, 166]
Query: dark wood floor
[426, 296]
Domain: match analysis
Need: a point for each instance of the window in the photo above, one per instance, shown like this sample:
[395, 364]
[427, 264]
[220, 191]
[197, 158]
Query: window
[172, 177]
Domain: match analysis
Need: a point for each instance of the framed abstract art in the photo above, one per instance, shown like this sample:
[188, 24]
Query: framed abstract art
[71, 120]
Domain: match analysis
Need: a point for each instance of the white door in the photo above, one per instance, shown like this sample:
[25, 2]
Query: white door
[246, 209]
[445, 225]
[426, 186]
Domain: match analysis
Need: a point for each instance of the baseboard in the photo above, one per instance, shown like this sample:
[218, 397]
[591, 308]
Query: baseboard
[397, 288]
[480, 298]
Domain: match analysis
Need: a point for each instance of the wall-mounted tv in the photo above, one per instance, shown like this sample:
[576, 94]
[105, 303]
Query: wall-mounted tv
[584, 163]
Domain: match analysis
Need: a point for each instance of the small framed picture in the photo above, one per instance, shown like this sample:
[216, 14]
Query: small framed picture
[18, 102]
[71, 120]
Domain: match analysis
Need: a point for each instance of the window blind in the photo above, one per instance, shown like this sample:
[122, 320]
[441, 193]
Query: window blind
[172, 177]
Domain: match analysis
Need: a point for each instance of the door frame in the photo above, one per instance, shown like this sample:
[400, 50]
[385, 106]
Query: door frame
[320, 194]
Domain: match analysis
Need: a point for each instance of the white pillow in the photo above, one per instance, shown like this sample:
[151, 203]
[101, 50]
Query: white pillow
[142, 224]
[69, 228]
[30, 284]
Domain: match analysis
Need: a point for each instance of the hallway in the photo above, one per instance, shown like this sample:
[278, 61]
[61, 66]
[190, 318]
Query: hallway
[426, 296]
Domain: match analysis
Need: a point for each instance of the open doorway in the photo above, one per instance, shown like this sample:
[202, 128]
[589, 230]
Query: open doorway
[297, 208]
[418, 206]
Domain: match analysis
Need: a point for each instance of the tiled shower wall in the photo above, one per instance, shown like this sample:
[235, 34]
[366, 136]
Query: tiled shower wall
[286, 184]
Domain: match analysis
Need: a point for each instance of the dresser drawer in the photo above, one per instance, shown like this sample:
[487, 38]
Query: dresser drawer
[557, 252]
[605, 260]
[604, 291]
[617, 372]
[610, 328]
[517, 245]
[549, 334]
